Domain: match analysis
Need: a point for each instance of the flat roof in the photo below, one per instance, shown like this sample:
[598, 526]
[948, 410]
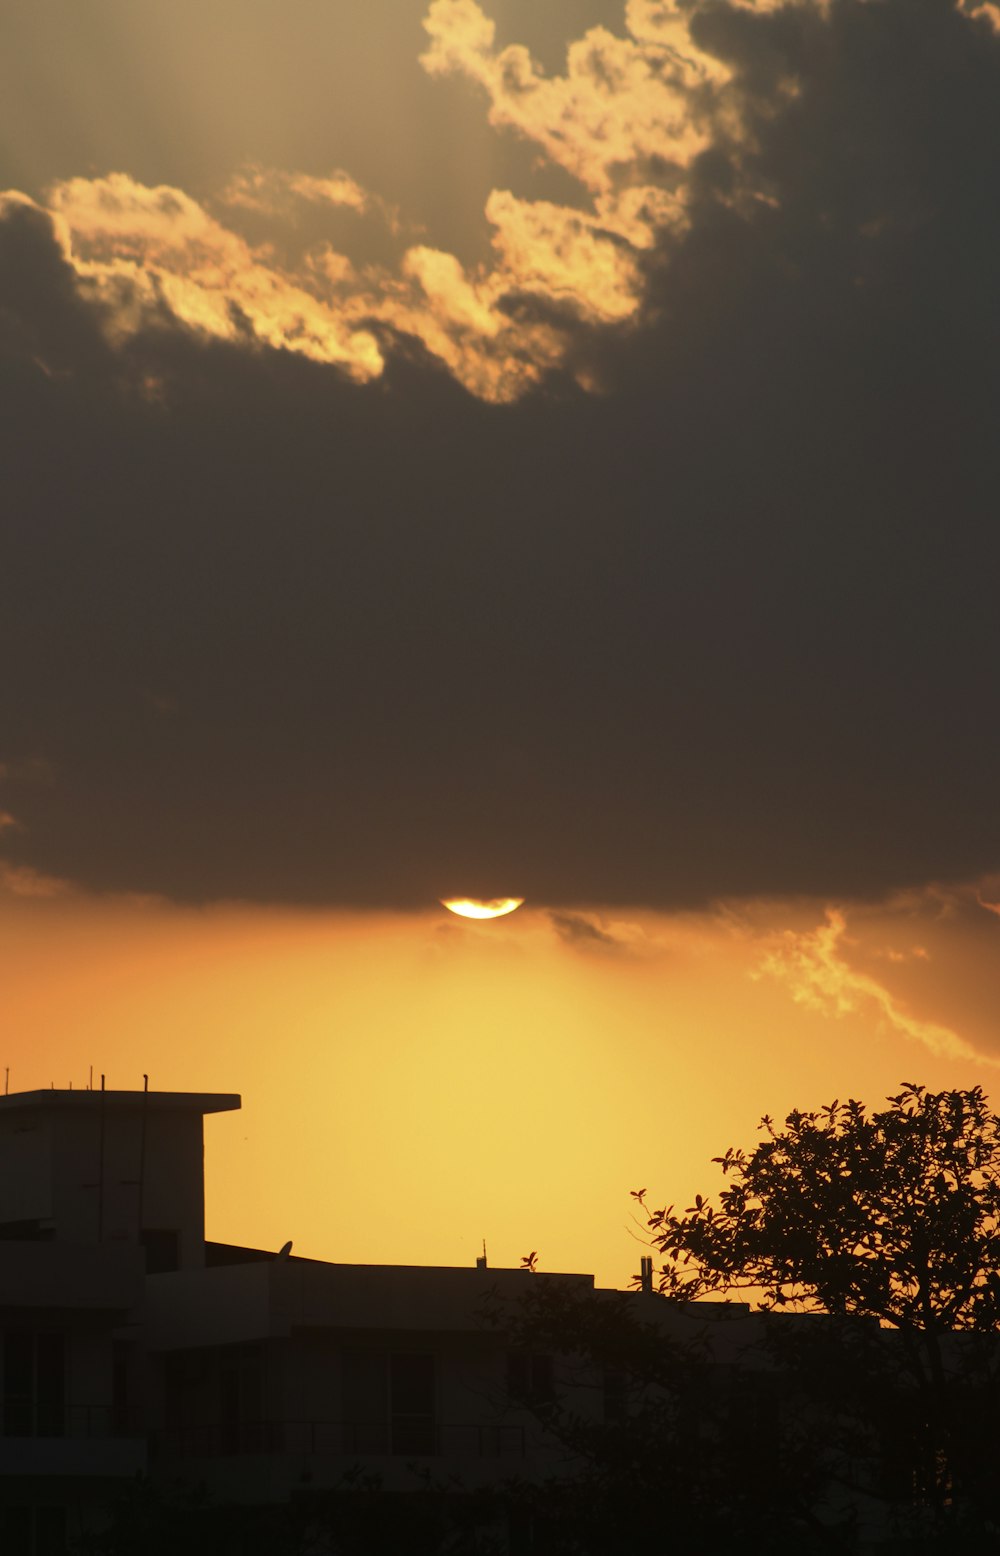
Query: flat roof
[162, 1101]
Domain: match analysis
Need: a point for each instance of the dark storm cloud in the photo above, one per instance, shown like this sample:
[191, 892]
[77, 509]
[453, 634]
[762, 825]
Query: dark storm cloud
[729, 627]
[43, 319]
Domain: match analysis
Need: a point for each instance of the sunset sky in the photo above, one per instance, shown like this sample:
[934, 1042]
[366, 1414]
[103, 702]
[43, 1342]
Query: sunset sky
[457, 449]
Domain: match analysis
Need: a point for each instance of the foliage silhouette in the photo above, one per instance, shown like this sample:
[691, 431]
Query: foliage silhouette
[886, 1222]
[891, 1216]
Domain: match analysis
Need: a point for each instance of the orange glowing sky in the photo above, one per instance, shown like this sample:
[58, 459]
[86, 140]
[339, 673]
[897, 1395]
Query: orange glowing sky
[413, 1084]
[403, 513]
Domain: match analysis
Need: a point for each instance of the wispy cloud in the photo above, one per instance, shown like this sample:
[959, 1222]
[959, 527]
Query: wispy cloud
[267, 190]
[813, 965]
[19, 880]
[610, 937]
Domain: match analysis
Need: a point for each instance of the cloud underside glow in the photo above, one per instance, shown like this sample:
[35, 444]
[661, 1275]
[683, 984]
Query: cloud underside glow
[470, 907]
[916, 971]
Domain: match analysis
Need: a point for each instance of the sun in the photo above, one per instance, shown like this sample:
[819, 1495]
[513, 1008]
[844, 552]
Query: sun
[471, 907]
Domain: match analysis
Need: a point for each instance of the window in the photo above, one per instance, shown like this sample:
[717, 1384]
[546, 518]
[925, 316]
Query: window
[162, 1250]
[34, 1383]
[241, 1399]
[530, 1379]
[366, 1402]
[411, 1396]
[389, 1403]
[214, 1400]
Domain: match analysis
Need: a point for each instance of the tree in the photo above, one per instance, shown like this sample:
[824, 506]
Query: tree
[890, 1217]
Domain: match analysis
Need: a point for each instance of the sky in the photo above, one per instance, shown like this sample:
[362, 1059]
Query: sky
[482, 450]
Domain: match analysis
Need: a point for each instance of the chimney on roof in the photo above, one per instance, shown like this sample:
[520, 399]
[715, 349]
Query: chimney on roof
[646, 1273]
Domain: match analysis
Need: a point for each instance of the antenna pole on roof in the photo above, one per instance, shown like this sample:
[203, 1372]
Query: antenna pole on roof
[6, 1081]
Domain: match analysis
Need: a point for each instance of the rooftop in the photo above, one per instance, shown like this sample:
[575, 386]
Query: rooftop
[162, 1101]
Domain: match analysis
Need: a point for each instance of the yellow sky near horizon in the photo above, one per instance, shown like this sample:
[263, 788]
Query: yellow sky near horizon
[498, 183]
[413, 1084]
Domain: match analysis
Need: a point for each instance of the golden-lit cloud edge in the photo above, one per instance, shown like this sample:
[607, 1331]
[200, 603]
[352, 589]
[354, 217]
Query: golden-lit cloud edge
[626, 119]
[150, 254]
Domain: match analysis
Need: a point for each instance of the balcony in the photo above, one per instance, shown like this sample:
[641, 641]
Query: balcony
[104, 1277]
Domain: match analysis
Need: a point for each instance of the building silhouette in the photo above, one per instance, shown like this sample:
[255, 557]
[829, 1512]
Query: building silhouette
[133, 1351]
[131, 1346]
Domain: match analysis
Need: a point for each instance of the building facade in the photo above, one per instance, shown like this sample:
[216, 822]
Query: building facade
[132, 1347]
[133, 1352]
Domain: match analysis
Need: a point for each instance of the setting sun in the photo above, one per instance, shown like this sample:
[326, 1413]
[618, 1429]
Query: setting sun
[471, 907]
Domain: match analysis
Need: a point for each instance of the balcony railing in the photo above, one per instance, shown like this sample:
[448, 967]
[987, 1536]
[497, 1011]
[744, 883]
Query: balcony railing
[67, 1421]
[342, 1439]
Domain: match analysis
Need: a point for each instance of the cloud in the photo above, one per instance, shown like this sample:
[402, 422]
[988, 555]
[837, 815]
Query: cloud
[427, 611]
[622, 102]
[591, 933]
[622, 121]
[923, 962]
[817, 974]
[44, 319]
[988, 13]
[153, 256]
[635, 119]
[23, 881]
[281, 194]
[146, 252]
[267, 190]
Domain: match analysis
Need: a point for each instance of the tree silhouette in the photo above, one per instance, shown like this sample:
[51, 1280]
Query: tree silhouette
[890, 1217]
